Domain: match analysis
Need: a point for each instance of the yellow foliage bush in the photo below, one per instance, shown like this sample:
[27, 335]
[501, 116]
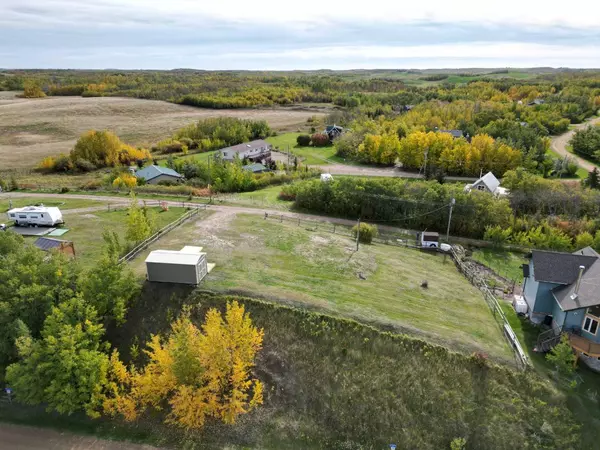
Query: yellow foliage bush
[125, 181]
[47, 164]
[200, 373]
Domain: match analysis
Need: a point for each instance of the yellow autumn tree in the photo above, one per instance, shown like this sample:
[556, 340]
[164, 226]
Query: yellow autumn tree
[32, 90]
[200, 374]
[125, 180]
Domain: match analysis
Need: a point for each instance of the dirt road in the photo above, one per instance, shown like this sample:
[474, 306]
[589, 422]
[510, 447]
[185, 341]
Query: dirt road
[559, 144]
[17, 437]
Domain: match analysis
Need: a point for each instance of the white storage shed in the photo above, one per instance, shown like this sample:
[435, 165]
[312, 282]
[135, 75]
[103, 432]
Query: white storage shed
[186, 266]
[36, 216]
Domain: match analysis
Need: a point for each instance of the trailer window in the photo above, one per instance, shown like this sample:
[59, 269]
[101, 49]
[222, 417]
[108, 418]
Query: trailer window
[12, 215]
[22, 217]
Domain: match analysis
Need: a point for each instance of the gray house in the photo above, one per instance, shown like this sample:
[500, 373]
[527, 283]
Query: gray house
[563, 290]
[255, 151]
[156, 174]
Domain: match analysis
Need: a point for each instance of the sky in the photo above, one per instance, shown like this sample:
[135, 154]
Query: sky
[306, 34]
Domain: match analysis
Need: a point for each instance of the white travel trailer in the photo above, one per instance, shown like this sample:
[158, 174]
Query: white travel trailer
[34, 216]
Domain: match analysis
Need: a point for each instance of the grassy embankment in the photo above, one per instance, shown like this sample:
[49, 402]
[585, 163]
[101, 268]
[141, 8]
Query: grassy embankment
[334, 383]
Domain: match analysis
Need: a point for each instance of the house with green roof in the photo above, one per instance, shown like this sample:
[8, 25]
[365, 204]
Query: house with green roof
[156, 174]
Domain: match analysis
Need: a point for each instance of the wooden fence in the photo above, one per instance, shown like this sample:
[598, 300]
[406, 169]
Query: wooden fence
[520, 356]
[144, 244]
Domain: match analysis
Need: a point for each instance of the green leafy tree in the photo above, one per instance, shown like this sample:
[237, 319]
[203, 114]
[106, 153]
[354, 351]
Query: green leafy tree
[66, 368]
[593, 179]
[583, 240]
[366, 232]
[562, 356]
[140, 222]
[586, 142]
[31, 284]
[109, 286]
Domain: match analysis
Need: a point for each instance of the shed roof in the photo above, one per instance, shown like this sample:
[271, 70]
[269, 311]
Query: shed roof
[559, 267]
[44, 243]
[174, 257]
[246, 146]
[454, 133]
[151, 172]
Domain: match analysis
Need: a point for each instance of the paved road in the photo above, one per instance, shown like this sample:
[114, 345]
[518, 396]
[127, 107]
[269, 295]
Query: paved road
[367, 171]
[559, 144]
[17, 437]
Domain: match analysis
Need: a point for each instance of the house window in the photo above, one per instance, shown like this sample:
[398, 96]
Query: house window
[590, 325]
[594, 311]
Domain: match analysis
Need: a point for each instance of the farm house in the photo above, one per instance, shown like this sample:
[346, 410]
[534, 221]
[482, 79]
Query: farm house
[36, 216]
[185, 266]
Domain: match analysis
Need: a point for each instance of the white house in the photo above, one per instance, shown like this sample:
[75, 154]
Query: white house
[36, 216]
[487, 183]
[255, 151]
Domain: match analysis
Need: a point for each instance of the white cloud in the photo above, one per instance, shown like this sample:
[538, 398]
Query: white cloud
[310, 34]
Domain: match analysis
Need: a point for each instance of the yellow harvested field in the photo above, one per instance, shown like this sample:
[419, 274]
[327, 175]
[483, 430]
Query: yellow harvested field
[31, 129]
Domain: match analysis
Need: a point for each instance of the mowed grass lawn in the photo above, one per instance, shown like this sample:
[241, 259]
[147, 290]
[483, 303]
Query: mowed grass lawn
[66, 204]
[287, 263]
[85, 230]
[307, 155]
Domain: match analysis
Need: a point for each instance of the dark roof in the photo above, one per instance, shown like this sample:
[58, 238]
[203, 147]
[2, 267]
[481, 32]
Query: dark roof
[333, 127]
[559, 267]
[589, 287]
[454, 133]
[240, 148]
[255, 167]
[46, 244]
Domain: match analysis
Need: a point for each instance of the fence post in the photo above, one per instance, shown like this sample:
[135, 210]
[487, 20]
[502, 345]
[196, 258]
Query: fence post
[281, 219]
[334, 228]
[298, 221]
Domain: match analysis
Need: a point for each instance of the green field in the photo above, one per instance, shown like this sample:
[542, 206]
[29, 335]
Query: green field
[307, 155]
[504, 263]
[287, 263]
[85, 229]
[66, 204]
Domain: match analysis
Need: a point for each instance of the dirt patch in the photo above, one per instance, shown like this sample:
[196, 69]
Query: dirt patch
[31, 129]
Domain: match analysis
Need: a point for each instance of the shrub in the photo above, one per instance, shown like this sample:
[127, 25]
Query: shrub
[125, 180]
[562, 356]
[63, 163]
[319, 140]
[64, 190]
[303, 140]
[583, 240]
[366, 232]
[47, 164]
[3, 185]
[498, 235]
[83, 165]
[167, 183]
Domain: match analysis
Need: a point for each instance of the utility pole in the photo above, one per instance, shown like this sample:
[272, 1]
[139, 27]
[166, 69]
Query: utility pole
[357, 232]
[209, 182]
[425, 162]
[452, 202]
